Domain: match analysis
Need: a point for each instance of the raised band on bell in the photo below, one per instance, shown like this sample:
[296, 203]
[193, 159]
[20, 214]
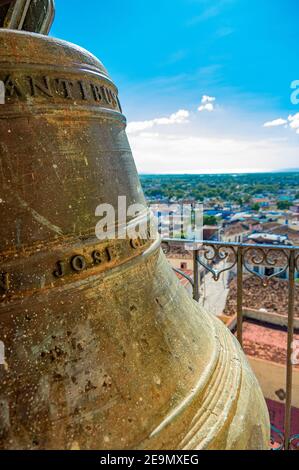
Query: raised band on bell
[104, 348]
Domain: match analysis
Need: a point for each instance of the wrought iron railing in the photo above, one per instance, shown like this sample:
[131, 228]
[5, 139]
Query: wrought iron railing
[241, 258]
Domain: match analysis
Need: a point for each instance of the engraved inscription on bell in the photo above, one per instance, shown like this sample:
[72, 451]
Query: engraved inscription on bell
[24, 87]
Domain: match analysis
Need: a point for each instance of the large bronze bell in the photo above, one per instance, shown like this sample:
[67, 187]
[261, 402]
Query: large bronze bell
[103, 348]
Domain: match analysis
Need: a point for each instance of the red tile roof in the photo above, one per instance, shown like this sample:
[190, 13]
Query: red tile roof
[265, 342]
[273, 297]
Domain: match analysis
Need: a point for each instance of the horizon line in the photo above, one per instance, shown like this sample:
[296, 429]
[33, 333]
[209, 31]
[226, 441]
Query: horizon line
[222, 172]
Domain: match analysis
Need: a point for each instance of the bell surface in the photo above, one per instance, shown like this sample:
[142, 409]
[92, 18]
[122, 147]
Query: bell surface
[104, 349]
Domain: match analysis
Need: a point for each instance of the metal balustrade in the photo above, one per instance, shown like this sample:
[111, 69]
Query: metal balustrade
[241, 257]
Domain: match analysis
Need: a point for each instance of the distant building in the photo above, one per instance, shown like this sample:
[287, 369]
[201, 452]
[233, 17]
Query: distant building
[295, 208]
[275, 233]
[269, 238]
[179, 220]
[210, 232]
[288, 231]
[261, 201]
[235, 232]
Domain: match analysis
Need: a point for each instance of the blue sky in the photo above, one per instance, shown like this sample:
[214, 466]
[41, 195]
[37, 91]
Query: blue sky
[198, 79]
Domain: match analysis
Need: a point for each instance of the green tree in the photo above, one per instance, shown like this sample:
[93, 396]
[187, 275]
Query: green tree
[255, 207]
[282, 205]
[209, 220]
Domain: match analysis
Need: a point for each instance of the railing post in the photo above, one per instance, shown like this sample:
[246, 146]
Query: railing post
[171, 225]
[195, 276]
[240, 295]
[289, 368]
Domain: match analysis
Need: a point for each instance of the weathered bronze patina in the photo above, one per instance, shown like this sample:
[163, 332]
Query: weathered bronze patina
[104, 349]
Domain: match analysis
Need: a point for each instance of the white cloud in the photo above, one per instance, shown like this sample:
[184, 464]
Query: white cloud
[207, 103]
[206, 107]
[207, 99]
[180, 117]
[176, 153]
[276, 122]
[294, 121]
[149, 135]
